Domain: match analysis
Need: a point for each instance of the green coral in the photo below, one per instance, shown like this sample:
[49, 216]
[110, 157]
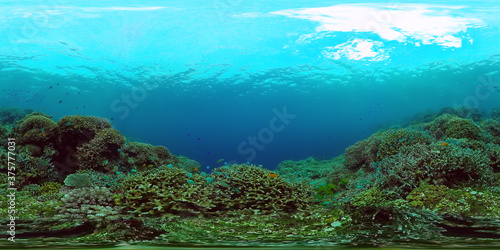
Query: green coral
[309, 170]
[187, 164]
[50, 187]
[363, 153]
[77, 180]
[32, 189]
[328, 189]
[35, 128]
[462, 128]
[12, 115]
[99, 152]
[34, 170]
[249, 187]
[394, 139]
[449, 165]
[495, 113]
[164, 191]
[142, 155]
[84, 204]
[427, 195]
[470, 202]
[437, 127]
[380, 145]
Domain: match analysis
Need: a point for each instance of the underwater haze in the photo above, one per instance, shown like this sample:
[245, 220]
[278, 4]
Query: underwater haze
[261, 84]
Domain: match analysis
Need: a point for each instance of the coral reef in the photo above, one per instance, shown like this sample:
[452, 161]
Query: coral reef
[363, 153]
[50, 187]
[87, 204]
[394, 139]
[12, 115]
[495, 113]
[100, 153]
[78, 180]
[166, 190]
[249, 187]
[36, 128]
[310, 170]
[144, 156]
[400, 183]
[449, 165]
[461, 128]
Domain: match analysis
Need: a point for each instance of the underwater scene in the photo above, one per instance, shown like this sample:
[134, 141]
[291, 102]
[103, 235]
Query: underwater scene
[257, 124]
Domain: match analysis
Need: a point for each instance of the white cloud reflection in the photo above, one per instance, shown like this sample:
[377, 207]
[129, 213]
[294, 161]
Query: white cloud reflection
[409, 23]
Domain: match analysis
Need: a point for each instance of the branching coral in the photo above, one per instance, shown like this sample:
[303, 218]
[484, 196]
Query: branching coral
[461, 128]
[136, 154]
[87, 204]
[449, 165]
[309, 170]
[77, 180]
[35, 128]
[250, 187]
[394, 139]
[363, 153]
[167, 190]
[98, 153]
[437, 127]
[50, 187]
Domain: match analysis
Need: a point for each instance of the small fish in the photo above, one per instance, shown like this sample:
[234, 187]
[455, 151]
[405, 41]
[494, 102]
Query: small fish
[444, 144]
[60, 101]
[224, 184]
[190, 182]
[43, 135]
[209, 180]
[217, 172]
[111, 118]
[169, 165]
[133, 171]
[144, 164]
[50, 87]
[227, 176]
[68, 123]
[151, 157]
[150, 166]
[273, 175]
[190, 175]
[194, 169]
[220, 160]
[105, 162]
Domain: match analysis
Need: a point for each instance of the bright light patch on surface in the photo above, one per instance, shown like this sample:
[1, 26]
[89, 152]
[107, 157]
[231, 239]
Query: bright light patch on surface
[412, 23]
[357, 49]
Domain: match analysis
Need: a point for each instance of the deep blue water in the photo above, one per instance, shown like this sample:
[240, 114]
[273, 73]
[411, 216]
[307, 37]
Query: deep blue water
[206, 79]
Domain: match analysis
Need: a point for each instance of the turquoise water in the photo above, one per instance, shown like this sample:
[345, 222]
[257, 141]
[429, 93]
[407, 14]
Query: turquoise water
[249, 81]
[215, 70]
